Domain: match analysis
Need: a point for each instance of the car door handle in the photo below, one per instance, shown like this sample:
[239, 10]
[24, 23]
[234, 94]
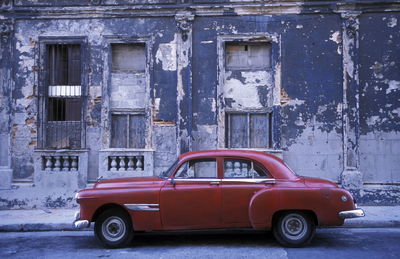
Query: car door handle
[214, 183]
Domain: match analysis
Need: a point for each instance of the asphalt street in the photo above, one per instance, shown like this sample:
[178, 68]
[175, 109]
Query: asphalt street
[328, 243]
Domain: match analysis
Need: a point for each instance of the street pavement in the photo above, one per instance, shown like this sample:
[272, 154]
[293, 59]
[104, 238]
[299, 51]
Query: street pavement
[61, 219]
[328, 243]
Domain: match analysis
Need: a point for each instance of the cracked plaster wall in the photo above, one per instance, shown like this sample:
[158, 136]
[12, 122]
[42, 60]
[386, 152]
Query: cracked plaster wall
[312, 84]
[310, 100]
[380, 98]
[24, 108]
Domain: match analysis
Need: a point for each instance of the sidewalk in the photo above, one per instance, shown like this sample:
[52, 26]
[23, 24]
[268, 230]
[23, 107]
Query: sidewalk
[61, 219]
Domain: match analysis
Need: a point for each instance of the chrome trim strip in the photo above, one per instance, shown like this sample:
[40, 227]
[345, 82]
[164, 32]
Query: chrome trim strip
[143, 207]
[81, 224]
[195, 179]
[236, 180]
[250, 180]
[348, 214]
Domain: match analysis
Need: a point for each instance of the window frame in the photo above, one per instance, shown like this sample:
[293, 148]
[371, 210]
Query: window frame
[147, 41]
[253, 162]
[275, 70]
[248, 43]
[128, 113]
[197, 160]
[136, 44]
[268, 112]
[43, 87]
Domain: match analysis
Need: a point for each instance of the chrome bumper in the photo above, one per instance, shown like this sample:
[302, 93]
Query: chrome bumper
[80, 223]
[348, 214]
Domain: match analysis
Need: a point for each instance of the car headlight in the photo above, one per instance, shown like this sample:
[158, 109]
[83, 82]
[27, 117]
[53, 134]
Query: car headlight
[344, 198]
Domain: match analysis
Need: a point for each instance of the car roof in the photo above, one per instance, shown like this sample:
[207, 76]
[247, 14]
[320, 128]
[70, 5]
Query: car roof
[225, 152]
[275, 165]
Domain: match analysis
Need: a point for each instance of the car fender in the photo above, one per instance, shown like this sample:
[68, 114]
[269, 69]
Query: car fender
[324, 203]
[261, 208]
[135, 201]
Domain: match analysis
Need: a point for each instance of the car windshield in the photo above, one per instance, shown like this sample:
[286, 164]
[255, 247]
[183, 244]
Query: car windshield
[167, 173]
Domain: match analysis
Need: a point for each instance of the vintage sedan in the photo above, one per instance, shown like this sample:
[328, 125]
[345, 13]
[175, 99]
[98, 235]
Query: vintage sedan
[216, 189]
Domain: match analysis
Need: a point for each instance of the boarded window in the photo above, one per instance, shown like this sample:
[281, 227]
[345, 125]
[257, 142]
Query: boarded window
[128, 131]
[240, 56]
[128, 58]
[248, 130]
[63, 97]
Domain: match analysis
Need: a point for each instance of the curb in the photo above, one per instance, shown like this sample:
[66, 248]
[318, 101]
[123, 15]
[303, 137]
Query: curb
[40, 227]
[69, 227]
[372, 224]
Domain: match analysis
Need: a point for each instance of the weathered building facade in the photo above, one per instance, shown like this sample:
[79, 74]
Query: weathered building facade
[119, 88]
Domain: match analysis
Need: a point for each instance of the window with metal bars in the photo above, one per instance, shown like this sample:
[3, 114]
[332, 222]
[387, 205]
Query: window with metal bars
[62, 110]
[248, 130]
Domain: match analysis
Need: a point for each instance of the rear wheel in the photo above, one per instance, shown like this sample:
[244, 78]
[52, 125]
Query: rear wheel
[113, 228]
[294, 229]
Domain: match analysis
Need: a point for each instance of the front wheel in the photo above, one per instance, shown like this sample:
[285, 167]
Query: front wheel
[294, 229]
[113, 228]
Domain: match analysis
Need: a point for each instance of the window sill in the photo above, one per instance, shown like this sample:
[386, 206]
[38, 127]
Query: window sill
[126, 150]
[61, 150]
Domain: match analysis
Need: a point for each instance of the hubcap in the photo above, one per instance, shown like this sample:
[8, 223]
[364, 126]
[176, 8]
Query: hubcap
[113, 228]
[294, 226]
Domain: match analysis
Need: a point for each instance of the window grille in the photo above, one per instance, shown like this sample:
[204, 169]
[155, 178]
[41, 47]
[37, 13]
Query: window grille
[62, 121]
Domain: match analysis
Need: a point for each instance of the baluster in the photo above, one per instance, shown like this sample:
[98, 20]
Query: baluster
[57, 163]
[74, 163]
[65, 163]
[139, 164]
[121, 164]
[130, 163]
[48, 164]
[113, 163]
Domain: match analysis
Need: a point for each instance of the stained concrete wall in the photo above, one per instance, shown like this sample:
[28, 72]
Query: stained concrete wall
[379, 99]
[333, 89]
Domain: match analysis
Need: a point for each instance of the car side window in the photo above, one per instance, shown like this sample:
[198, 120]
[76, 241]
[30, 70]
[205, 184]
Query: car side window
[204, 168]
[240, 168]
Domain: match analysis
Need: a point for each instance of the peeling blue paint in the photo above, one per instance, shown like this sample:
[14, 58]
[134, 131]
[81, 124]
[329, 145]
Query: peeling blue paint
[332, 110]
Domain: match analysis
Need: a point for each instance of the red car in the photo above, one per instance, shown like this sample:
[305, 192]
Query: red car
[216, 189]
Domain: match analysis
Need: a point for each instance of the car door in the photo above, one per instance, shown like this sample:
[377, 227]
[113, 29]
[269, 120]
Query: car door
[192, 198]
[242, 178]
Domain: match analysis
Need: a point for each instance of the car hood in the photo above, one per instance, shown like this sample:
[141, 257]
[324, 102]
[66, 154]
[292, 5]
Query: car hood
[318, 183]
[128, 182]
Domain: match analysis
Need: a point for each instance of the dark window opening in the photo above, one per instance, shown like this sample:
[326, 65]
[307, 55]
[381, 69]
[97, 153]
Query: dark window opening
[62, 123]
[64, 64]
[64, 109]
